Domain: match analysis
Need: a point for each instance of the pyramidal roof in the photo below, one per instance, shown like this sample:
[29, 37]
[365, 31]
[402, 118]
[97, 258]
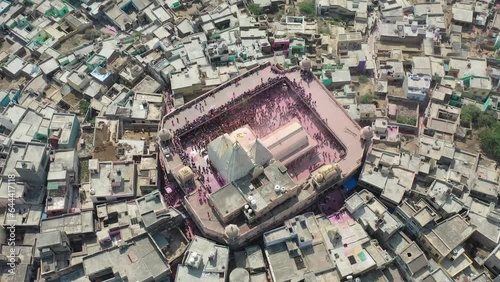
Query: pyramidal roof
[260, 153]
[229, 158]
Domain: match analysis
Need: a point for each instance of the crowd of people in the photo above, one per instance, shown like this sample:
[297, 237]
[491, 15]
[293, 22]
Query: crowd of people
[275, 107]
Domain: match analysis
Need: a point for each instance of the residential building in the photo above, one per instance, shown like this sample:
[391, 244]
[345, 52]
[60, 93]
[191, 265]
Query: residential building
[111, 181]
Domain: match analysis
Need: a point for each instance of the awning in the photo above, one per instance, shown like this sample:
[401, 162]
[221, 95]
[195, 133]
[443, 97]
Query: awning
[350, 184]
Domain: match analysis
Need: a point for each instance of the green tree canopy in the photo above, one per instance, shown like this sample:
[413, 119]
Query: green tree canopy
[470, 113]
[367, 98]
[490, 140]
[254, 9]
[307, 8]
[363, 79]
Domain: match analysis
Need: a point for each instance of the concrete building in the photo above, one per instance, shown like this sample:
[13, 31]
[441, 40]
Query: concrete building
[444, 240]
[140, 260]
[63, 173]
[383, 174]
[486, 218]
[125, 220]
[147, 175]
[442, 120]
[479, 88]
[111, 181]
[262, 190]
[402, 33]
[142, 111]
[251, 260]
[298, 249]
[416, 86]
[204, 259]
[63, 131]
[373, 215]
[187, 82]
[27, 165]
[13, 67]
[31, 126]
[493, 261]
[417, 216]
[55, 252]
[349, 41]
[78, 81]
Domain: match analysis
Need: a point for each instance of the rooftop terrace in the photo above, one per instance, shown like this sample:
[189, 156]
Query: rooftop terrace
[264, 110]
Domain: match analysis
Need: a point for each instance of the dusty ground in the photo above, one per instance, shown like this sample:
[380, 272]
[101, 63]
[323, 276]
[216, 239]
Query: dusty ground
[88, 147]
[104, 149]
[395, 91]
[7, 83]
[409, 143]
[73, 101]
[366, 88]
[186, 13]
[72, 43]
[139, 135]
[471, 144]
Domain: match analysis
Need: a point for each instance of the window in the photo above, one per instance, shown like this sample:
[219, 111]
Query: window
[101, 199]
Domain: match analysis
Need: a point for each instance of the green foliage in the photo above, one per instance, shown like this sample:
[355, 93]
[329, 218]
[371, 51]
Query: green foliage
[490, 140]
[363, 79]
[254, 9]
[470, 113]
[84, 106]
[479, 119]
[486, 119]
[91, 34]
[367, 98]
[489, 133]
[325, 29]
[307, 8]
[406, 120]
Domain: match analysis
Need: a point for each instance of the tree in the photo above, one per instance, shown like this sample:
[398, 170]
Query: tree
[307, 8]
[84, 106]
[91, 34]
[470, 113]
[486, 119]
[363, 79]
[367, 98]
[490, 140]
[254, 9]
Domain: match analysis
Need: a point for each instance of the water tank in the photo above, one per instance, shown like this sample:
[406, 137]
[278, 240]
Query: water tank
[277, 188]
[253, 203]
[239, 275]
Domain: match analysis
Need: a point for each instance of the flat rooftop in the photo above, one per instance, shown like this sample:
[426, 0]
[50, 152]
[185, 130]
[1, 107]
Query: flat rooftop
[449, 234]
[113, 178]
[138, 260]
[31, 124]
[61, 127]
[73, 224]
[210, 269]
[34, 153]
